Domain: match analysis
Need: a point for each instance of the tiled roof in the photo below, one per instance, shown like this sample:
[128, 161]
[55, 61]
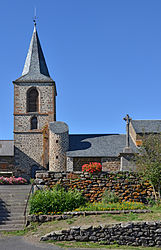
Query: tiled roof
[146, 126]
[6, 148]
[97, 145]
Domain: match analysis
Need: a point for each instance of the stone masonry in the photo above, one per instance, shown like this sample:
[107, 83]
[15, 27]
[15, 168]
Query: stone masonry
[30, 153]
[128, 186]
[58, 145]
[147, 234]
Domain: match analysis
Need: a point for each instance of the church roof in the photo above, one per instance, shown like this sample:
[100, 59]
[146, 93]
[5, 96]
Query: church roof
[35, 68]
[97, 145]
[146, 126]
[6, 148]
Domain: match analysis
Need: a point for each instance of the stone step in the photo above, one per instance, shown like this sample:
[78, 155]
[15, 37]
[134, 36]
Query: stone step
[13, 200]
[11, 194]
[11, 227]
[10, 209]
[11, 216]
[15, 222]
[20, 187]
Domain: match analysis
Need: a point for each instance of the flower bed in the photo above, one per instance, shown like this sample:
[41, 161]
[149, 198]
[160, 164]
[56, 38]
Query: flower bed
[12, 180]
[100, 206]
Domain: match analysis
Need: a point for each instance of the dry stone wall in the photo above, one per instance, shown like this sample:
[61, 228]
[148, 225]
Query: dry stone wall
[128, 186]
[132, 233]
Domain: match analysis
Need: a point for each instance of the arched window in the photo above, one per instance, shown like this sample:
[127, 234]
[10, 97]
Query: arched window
[32, 100]
[34, 122]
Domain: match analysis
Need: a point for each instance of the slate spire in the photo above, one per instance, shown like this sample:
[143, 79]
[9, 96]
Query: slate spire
[35, 68]
[35, 61]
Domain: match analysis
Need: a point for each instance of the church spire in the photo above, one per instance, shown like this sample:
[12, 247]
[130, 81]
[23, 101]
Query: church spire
[35, 62]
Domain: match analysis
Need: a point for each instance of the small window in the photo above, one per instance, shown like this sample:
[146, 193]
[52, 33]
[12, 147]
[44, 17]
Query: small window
[0, 145]
[34, 122]
[57, 157]
[56, 141]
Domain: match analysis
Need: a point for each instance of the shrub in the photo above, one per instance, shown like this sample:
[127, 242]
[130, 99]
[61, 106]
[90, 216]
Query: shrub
[12, 180]
[55, 200]
[109, 197]
[92, 167]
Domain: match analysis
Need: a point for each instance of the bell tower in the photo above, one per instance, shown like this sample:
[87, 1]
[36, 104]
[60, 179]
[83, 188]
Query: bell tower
[34, 107]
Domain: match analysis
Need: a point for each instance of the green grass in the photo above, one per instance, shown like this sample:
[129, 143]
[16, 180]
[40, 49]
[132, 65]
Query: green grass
[121, 217]
[97, 245]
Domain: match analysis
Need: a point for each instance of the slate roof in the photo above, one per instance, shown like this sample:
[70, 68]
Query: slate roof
[35, 68]
[97, 145]
[6, 148]
[146, 126]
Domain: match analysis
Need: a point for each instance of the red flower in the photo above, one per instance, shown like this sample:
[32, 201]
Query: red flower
[92, 167]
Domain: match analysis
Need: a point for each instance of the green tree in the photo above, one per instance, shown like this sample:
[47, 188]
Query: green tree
[148, 161]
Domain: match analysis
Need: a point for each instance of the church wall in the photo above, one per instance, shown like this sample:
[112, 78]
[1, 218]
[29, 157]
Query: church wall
[28, 151]
[111, 164]
[22, 123]
[58, 145]
[29, 143]
[46, 102]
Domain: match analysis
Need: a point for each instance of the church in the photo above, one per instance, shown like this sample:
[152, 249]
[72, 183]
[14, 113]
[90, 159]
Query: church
[42, 143]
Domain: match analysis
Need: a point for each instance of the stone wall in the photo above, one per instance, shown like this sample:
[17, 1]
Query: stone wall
[132, 233]
[128, 186]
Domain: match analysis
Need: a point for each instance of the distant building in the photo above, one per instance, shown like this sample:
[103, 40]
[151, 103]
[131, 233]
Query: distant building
[41, 142]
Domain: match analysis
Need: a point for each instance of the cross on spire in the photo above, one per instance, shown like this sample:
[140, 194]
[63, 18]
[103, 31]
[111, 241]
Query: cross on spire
[34, 20]
[127, 119]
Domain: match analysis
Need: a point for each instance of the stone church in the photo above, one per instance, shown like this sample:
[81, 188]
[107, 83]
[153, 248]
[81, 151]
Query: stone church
[41, 142]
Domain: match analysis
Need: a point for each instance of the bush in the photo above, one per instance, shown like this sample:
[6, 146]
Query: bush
[55, 200]
[92, 167]
[109, 197]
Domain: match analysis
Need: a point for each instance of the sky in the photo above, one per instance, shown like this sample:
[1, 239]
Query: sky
[104, 55]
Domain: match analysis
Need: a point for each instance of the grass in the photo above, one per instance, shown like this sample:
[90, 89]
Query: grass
[97, 245]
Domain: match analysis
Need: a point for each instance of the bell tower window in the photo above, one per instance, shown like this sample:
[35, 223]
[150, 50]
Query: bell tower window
[34, 122]
[32, 100]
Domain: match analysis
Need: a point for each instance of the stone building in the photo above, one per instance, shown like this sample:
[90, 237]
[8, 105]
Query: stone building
[34, 107]
[41, 142]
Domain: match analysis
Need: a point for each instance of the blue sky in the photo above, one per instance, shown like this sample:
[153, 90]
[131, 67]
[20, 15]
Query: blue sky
[105, 56]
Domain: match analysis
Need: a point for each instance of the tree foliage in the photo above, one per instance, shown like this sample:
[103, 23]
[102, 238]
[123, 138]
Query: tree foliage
[148, 161]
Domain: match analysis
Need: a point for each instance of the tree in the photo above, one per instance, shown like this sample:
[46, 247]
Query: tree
[148, 161]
